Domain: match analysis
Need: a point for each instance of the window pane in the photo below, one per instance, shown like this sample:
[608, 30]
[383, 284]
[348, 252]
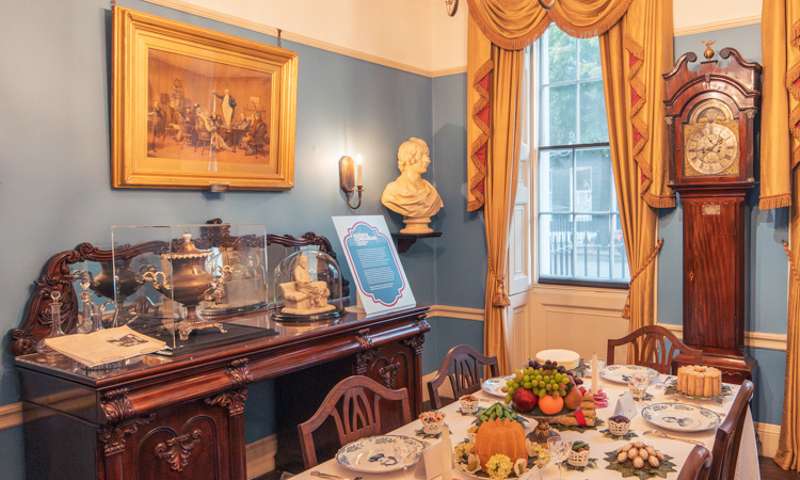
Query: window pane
[560, 57]
[620, 260]
[589, 59]
[555, 245]
[594, 124]
[594, 255]
[555, 181]
[593, 182]
[559, 115]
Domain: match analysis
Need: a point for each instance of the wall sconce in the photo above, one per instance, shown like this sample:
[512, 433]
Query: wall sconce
[351, 179]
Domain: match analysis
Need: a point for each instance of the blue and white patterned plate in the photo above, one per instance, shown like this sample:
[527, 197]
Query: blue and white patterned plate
[622, 373]
[494, 386]
[680, 417]
[380, 454]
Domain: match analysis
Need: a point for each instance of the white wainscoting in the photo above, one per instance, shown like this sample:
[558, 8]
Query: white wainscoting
[576, 318]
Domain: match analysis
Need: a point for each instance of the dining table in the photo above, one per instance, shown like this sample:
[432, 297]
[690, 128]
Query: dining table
[678, 446]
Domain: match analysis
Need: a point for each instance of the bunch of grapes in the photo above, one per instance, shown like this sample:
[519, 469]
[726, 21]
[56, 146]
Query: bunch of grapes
[547, 379]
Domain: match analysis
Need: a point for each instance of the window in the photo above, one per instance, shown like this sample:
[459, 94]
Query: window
[579, 233]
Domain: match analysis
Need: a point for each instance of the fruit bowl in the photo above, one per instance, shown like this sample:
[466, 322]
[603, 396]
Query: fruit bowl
[543, 391]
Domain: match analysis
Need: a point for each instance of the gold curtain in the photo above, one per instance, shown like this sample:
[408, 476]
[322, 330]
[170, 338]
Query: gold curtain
[780, 185]
[780, 104]
[501, 189]
[636, 40]
[634, 54]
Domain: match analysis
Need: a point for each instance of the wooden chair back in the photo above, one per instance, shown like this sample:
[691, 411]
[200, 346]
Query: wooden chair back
[729, 435]
[697, 465]
[464, 367]
[355, 406]
[653, 346]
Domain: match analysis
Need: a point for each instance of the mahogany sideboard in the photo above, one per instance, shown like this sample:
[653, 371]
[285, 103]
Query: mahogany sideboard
[182, 417]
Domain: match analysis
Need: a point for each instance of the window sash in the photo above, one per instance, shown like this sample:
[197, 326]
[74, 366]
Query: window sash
[579, 245]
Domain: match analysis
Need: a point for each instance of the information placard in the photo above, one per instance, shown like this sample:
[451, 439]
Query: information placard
[380, 281]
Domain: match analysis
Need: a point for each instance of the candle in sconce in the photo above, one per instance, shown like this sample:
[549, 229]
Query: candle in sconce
[359, 171]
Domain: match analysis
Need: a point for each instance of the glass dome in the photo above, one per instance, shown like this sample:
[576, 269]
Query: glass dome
[307, 287]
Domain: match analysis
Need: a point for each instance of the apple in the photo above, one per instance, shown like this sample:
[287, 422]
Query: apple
[524, 400]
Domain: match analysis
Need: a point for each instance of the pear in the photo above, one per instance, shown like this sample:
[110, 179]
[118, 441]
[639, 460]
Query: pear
[573, 398]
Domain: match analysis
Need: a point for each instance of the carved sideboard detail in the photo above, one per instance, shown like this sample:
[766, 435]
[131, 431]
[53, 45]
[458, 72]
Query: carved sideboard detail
[113, 437]
[416, 342]
[116, 405]
[364, 360]
[177, 450]
[239, 372]
[233, 400]
[388, 373]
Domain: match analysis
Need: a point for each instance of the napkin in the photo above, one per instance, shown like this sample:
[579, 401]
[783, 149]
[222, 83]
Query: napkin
[625, 406]
[438, 458]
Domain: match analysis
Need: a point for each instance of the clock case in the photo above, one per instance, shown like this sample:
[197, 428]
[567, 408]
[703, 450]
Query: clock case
[715, 209]
[736, 84]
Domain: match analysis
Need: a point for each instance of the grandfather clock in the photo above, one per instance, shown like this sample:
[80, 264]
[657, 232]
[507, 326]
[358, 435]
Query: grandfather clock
[711, 112]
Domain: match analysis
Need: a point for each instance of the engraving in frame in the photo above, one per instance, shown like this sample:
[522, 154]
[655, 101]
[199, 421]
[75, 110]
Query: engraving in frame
[231, 101]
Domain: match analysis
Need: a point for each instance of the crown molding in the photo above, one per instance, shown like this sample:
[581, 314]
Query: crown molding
[720, 25]
[265, 29]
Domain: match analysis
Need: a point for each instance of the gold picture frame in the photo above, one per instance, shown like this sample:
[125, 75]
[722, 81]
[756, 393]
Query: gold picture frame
[197, 109]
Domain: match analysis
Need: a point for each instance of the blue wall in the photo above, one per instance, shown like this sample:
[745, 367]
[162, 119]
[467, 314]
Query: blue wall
[55, 161]
[461, 252]
[767, 265]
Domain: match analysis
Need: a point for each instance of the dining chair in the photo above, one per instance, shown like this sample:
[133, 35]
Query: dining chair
[653, 346]
[729, 435]
[464, 367]
[697, 465]
[354, 404]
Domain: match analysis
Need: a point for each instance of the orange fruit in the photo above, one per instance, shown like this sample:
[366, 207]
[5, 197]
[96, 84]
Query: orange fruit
[551, 405]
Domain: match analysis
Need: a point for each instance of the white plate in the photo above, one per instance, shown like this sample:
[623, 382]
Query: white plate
[680, 417]
[380, 454]
[493, 386]
[622, 373]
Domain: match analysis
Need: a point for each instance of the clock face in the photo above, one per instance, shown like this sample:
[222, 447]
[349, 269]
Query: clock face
[711, 142]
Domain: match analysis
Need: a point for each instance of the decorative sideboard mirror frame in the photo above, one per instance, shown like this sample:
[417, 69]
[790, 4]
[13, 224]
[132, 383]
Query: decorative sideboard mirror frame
[56, 276]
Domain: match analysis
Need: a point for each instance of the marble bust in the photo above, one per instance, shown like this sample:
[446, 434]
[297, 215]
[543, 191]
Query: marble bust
[410, 195]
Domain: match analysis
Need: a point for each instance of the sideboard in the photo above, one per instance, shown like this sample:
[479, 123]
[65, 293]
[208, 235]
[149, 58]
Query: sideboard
[182, 416]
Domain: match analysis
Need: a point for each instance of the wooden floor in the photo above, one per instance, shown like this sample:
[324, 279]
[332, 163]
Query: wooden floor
[769, 471]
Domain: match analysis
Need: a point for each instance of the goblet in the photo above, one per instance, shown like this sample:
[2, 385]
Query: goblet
[559, 450]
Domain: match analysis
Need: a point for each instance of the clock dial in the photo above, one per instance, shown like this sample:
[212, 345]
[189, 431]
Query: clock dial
[710, 148]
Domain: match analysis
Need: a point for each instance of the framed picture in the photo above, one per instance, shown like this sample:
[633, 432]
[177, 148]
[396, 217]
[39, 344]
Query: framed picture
[197, 109]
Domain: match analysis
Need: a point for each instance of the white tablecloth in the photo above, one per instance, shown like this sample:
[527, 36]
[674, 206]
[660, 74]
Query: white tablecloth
[746, 468]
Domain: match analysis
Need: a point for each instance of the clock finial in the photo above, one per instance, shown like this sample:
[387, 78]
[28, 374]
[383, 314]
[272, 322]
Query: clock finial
[708, 52]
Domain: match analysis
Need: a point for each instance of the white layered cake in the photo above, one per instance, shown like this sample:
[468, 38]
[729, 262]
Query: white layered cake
[567, 358]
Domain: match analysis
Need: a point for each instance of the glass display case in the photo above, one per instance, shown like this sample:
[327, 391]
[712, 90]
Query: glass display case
[307, 287]
[192, 286]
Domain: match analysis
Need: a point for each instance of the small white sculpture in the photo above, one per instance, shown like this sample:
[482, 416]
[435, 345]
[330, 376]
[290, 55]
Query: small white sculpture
[303, 296]
[410, 195]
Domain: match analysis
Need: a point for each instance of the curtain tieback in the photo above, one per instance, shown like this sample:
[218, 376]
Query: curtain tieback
[626, 312]
[500, 296]
[792, 266]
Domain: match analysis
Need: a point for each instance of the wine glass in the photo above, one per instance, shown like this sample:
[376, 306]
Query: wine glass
[542, 458]
[559, 450]
[638, 384]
